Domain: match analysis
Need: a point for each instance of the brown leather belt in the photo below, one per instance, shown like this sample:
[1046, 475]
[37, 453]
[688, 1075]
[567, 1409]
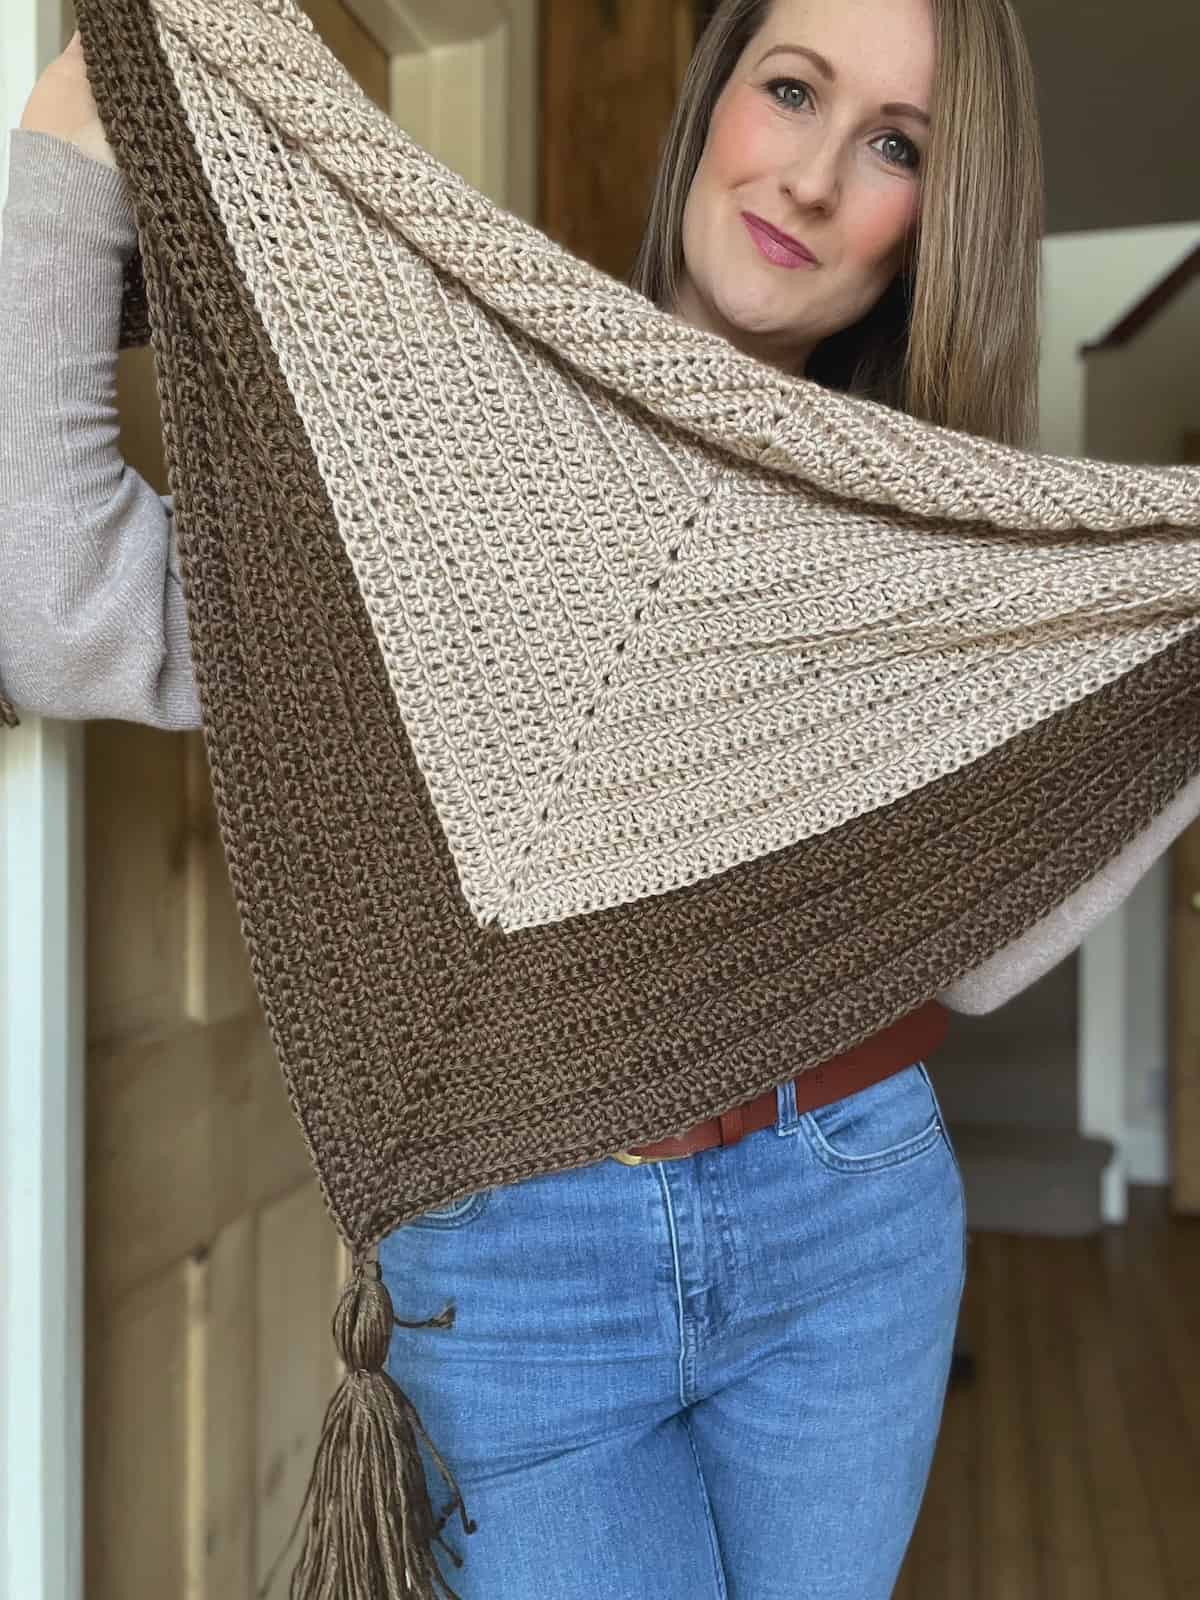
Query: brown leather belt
[911, 1039]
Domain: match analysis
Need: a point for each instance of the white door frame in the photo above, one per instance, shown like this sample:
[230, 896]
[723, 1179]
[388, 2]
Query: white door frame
[41, 1075]
[41, 1158]
[1104, 1001]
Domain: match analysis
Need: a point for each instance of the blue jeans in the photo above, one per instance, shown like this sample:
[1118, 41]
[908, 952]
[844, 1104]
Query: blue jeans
[720, 1376]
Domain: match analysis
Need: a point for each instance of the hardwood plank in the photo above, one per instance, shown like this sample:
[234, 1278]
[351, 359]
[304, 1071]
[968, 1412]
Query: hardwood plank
[1165, 1284]
[1176, 1247]
[1167, 1457]
[906, 1583]
[1068, 1555]
[1007, 1526]
[1129, 1551]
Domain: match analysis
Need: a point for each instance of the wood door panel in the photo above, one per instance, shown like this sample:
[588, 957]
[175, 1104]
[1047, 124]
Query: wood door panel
[353, 46]
[300, 1271]
[611, 70]
[184, 1134]
[136, 1443]
[216, 978]
[134, 830]
[224, 1385]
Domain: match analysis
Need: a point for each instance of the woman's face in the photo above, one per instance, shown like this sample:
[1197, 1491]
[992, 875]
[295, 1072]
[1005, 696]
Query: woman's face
[808, 148]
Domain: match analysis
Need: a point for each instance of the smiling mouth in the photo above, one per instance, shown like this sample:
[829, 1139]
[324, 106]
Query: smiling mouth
[778, 248]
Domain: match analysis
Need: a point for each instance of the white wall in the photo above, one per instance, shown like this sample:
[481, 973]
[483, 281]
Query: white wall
[1138, 401]
[1116, 88]
[1141, 397]
[1091, 281]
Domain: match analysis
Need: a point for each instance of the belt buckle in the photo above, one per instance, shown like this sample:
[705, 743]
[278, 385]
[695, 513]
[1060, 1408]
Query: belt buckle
[731, 1130]
[627, 1160]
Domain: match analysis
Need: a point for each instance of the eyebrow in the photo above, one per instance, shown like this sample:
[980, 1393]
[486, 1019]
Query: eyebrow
[894, 108]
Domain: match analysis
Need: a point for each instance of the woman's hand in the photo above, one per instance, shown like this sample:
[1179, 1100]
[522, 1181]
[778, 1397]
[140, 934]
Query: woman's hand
[62, 104]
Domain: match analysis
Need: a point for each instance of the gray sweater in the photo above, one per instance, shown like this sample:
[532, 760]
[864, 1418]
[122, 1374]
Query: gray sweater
[92, 617]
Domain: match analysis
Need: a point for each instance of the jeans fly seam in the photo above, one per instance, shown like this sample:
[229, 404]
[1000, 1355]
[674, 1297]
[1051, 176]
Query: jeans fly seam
[713, 1544]
[680, 1314]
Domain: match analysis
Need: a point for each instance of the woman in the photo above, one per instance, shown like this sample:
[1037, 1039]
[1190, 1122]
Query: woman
[910, 301]
[719, 1370]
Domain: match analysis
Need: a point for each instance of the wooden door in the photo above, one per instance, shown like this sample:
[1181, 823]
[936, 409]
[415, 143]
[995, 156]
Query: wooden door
[611, 71]
[212, 1268]
[1184, 1111]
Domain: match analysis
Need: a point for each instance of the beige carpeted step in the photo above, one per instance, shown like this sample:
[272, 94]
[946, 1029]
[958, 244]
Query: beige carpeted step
[1030, 1180]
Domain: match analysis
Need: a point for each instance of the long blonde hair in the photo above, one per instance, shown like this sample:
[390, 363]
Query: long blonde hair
[955, 338]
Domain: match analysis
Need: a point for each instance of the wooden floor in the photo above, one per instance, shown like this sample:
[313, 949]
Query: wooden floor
[1069, 1467]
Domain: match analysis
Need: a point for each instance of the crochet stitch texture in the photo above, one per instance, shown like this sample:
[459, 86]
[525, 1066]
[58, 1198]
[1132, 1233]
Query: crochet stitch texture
[637, 627]
[603, 726]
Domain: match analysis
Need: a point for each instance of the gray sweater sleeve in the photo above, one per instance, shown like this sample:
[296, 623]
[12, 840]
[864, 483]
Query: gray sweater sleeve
[92, 619]
[1049, 941]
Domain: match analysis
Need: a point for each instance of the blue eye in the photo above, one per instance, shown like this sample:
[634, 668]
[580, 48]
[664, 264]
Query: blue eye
[913, 160]
[911, 155]
[786, 83]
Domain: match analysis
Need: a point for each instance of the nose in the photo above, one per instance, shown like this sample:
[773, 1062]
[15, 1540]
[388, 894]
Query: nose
[813, 180]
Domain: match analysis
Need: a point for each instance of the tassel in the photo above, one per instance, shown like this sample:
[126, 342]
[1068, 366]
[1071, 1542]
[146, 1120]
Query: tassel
[371, 1527]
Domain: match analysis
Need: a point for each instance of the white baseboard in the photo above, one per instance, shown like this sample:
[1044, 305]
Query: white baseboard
[1145, 1153]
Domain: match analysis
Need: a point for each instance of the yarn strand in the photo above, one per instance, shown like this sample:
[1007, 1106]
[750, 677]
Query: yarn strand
[370, 1525]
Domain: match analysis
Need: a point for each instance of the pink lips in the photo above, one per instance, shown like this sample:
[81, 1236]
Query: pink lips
[779, 248]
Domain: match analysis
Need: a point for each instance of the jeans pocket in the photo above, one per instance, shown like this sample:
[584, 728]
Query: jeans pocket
[953, 1153]
[884, 1125]
[455, 1214]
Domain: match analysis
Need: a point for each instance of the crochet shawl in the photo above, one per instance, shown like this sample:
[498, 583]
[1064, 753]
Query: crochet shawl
[604, 726]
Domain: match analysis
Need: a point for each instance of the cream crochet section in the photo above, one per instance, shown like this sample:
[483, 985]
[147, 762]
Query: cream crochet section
[649, 608]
